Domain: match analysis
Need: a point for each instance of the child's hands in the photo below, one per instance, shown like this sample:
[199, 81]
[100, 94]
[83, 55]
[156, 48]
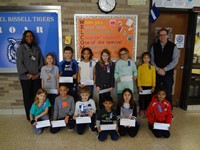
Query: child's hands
[97, 89]
[90, 113]
[99, 129]
[66, 119]
[117, 128]
[74, 76]
[134, 77]
[33, 122]
[140, 89]
[74, 117]
[152, 89]
[110, 89]
[81, 85]
[36, 118]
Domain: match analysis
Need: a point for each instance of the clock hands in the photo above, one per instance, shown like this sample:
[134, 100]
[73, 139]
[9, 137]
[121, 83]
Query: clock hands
[108, 3]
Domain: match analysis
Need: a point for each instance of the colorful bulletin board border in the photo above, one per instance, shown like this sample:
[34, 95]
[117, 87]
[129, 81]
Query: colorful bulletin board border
[44, 21]
[105, 31]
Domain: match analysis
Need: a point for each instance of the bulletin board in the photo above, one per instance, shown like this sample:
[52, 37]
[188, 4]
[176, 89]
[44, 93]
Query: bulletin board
[105, 31]
[44, 21]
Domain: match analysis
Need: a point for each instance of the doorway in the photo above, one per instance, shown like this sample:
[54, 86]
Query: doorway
[177, 23]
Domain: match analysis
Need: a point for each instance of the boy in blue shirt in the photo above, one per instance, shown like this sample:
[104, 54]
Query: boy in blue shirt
[69, 68]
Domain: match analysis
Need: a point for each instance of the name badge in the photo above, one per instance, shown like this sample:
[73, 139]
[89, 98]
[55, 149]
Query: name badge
[33, 58]
[108, 68]
[110, 115]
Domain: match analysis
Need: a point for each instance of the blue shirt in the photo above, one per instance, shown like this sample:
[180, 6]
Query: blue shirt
[35, 110]
[68, 68]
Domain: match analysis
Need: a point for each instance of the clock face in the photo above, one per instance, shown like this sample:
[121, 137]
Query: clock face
[107, 5]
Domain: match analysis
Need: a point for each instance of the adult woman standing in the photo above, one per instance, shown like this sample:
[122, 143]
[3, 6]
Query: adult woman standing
[29, 63]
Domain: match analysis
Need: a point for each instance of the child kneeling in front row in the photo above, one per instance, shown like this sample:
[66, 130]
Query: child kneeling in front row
[39, 109]
[159, 110]
[107, 116]
[63, 108]
[85, 107]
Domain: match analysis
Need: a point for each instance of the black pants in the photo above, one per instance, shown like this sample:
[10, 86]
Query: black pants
[81, 127]
[166, 82]
[159, 133]
[51, 98]
[29, 90]
[71, 125]
[72, 90]
[144, 100]
[132, 131]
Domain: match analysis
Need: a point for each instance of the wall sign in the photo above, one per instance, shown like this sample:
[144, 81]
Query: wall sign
[44, 21]
[105, 31]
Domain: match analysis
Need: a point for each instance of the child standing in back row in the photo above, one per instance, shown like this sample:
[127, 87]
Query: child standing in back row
[69, 68]
[104, 75]
[125, 72]
[86, 70]
[146, 81]
[49, 78]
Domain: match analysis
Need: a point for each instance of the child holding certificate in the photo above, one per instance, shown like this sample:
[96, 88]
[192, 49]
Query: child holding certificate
[85, 108]
[39, 110]
[159, 111]
[125, 72]
[69, 68]
[63, 108]
[49, 78]
[86, 72]
[104, 76]
[127, 109]
[107, 121]
[146, 82]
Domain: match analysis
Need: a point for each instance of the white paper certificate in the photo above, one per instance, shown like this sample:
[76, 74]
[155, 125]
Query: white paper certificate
[65, 79]
[145, 92]
[58, 123]
[108, 127]
[42, 124]
[52, 91]
[103, 91]
[87, 82]
[82, 120]
[127, 122]
[126, 78]
[161, 126]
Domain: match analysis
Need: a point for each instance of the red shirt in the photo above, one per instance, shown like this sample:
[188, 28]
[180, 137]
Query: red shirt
[159, 111]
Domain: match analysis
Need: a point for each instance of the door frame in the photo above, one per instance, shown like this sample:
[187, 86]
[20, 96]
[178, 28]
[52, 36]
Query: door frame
[188, 50]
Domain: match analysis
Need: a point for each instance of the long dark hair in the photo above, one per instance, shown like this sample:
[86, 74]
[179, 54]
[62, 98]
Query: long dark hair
[24, 37]
[131, 102]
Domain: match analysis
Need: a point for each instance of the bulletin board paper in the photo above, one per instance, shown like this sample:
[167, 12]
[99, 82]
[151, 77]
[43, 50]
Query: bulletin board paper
[105, 31]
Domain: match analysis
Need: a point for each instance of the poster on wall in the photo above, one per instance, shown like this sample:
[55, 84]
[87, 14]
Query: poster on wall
[110, 32]
[43, 21]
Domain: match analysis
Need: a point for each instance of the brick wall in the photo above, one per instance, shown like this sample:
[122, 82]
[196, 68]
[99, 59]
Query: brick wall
[10, 89]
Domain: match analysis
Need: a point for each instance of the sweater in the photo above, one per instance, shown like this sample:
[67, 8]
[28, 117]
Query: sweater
[63, 107]
[146, 75]
[29, 60]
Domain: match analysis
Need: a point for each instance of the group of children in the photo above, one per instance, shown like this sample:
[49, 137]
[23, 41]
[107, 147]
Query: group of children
[104, 73]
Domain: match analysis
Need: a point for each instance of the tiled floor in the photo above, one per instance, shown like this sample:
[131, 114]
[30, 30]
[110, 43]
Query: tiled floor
[16, 134]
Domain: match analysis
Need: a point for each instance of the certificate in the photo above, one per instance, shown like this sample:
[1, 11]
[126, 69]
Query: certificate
[82, 120]
[127, 122]
[103, 91]
[42, 124]
[52, 91]
[126, 78]
[87, 82]
[65, 79]
[108, 127]
[58, 123]
[161, 126]
[145, 92]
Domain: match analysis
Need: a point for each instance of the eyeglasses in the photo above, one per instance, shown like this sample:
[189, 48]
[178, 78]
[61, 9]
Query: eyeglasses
[123, 54]
[162, 34]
